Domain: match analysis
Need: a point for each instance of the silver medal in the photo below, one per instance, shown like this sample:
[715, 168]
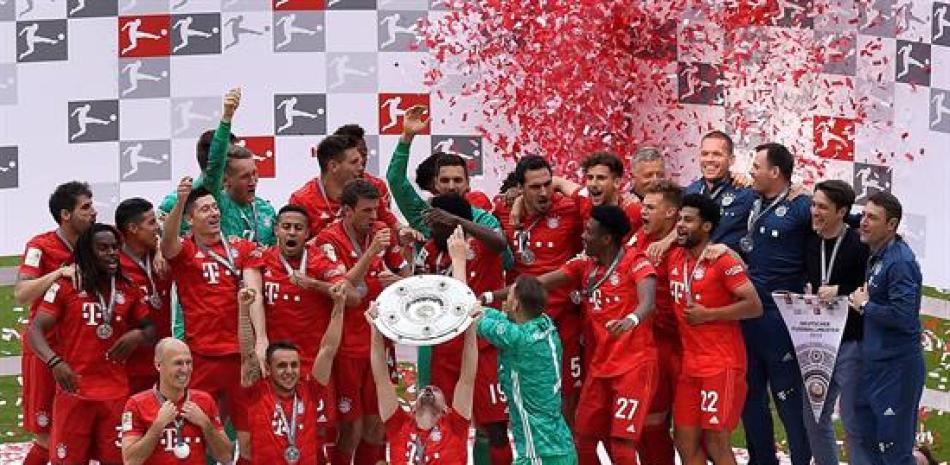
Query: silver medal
[181, 450]
[746, 244]
[527, 256]
[576, 297]
[781, 211]
[104, 331]
[292, 454]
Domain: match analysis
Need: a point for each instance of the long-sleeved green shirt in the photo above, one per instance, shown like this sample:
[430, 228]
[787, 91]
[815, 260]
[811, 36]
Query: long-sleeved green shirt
[529, 368]
[254, 222]
[413, 206]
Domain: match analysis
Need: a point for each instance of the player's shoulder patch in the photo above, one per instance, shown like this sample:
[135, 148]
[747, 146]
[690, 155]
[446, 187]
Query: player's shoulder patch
[50, 295]
[33, 256]
[734, 270]
[126, 421]
[329, 251]
[641, 262]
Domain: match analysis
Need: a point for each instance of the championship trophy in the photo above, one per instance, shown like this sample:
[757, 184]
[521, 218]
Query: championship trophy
[424, 310]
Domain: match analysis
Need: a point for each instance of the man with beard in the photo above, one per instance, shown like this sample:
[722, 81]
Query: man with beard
[288, 415]
[357, 132]
[98, 324]
[208, 271]
[231, 177]
[617, 289]
[484, 273]
[709, 295]
[170, 423]
[433, 433]
[48, 257]
[135, 219]
[550, 237]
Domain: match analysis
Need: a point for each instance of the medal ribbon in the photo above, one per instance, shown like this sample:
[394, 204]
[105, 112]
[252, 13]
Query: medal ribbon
[146, 265]
[593, 286]
[758, 213]
[179, 420]
[107, 310]
[290, 428]
[828, 266]
[302, 269]
[689, 277]
[225, 262]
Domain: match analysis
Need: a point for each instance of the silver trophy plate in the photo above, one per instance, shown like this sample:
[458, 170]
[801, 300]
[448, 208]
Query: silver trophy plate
[424, 310]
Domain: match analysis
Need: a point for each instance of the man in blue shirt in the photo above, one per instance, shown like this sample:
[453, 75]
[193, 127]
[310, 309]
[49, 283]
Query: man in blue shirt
[774, 248]
[716, 182]
[893, 377]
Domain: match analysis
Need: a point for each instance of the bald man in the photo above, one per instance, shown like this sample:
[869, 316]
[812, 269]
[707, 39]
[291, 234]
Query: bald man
[171, 424]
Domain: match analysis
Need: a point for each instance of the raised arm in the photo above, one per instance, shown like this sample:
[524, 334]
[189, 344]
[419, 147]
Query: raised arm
[170, 244]
[330, 343]
[465, 386]
[564, 186]
[26, 290]
[458, 252]
[385, 391]
[250, 364]
[253, 280]
[550, 280]
[407, 199]
[213, 176]
[492, 238]
[381, 240]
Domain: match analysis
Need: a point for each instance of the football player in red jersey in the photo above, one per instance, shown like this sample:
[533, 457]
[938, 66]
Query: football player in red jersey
[484, 273]
[359, 134]
[289, 415]
[208, 271]
[661, 204]
[48, 257]
[710, 297]
[340, 162]
[135, 219]
[170, 423]
[433, 433]
[98, 323]
[549, 238]
[359, 242]
[603, 173]
[617, 287]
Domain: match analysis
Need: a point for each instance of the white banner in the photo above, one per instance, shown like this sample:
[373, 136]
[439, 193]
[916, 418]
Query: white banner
[816, 327]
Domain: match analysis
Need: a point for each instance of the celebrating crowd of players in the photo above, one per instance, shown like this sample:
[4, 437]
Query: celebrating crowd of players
[642, 321]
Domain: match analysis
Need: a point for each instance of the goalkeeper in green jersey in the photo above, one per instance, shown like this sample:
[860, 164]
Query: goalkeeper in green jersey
[529, 360]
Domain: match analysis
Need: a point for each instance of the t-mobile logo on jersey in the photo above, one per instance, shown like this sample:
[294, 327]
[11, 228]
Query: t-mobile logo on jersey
[92, 313]
[211, 272]
[678, 291]
[270, 292]
[170, 438]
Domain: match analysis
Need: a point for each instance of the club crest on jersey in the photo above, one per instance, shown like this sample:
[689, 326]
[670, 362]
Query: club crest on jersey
[61, 451]
[119, 298]
[554, 222]
[42, 419]
[344, 405]
[700, 272]
[728, 198]
[329, 251]
[614, 279]
[436, 434]
[781, 211]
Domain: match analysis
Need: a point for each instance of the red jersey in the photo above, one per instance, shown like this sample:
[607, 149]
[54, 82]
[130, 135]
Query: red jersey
[44, 253]
[336, 244]
[632, 209]
[293, 314]
[140, 412]
[207, 288]
[712, 347]
[323, 210]
[664, 318]
[445, 444]
[609, 298]
[478, 199]
[78, 317]
[269, 428]
[155, 290]
[544, 244]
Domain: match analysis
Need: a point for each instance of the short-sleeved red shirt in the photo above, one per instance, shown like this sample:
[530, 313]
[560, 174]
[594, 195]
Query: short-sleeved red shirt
[615, 298]
[78, 315]
[712, 347]
[552, 239]
[268, 430]
[664, 318]
[336, 244]
[208, 291]
[444, 444]
[142, 360]
[293, 314]
[140, 412]
[632, 209]
[44, 253]
[323, 210]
